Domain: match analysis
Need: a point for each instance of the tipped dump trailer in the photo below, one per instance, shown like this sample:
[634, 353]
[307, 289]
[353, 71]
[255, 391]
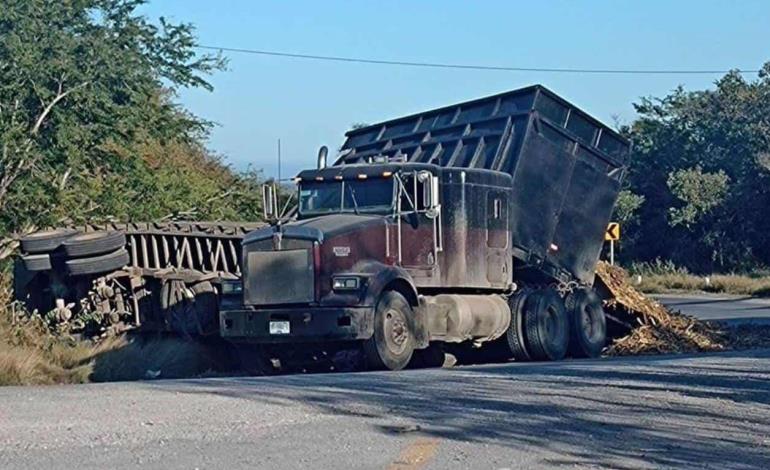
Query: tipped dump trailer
[566, 168]
[478, 223]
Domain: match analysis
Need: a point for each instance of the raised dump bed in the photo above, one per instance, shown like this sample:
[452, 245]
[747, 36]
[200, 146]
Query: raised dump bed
[567, 168]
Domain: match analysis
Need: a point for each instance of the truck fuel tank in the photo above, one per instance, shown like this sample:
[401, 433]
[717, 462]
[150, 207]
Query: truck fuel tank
[456, 318]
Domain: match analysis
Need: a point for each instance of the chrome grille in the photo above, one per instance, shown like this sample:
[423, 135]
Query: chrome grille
[279, 277]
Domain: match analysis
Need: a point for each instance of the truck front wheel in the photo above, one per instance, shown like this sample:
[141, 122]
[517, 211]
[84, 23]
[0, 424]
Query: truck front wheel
[392, 344]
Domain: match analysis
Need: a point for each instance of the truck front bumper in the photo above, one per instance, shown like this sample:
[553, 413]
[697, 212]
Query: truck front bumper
[306, 324]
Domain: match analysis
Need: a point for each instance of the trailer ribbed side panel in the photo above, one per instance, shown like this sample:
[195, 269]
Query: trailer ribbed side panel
[566, 167]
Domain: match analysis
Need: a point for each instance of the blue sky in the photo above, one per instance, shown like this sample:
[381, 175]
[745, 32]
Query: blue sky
[309, 103]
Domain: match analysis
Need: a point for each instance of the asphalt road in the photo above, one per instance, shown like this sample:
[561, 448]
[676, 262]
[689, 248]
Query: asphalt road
[706, 411]
[732, 309]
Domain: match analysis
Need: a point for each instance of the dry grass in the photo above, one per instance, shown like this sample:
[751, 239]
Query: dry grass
[663, 277]
[31, 355]
[718, 283]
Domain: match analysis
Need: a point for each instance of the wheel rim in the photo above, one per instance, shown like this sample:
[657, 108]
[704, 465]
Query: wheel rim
[589, 324]
[551, 326]
[396, 331]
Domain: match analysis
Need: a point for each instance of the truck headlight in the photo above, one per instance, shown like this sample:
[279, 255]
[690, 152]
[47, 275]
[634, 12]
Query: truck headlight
[232, 287]
[346, 283]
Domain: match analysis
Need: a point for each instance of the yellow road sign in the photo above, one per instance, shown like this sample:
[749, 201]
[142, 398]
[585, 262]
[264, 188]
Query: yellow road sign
[613, 232]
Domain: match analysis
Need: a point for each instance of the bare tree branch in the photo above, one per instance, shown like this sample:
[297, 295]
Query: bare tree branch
[11, 172]
[47, 110]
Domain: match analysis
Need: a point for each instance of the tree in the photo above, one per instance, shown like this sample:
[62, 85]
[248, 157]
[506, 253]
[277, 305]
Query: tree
[627, 206]
[700, 161]
[699, 193]
[86, 88]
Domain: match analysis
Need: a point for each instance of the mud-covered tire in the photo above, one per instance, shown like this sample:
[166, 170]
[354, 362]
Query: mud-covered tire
[515, 334]
[588, 325]
[428, 358]
[38, 262]
[94, 243]
[546, 325]
[392, 344]
[45, 241]
[98, 264]
[206, 307]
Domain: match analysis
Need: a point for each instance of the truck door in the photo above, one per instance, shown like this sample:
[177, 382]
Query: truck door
[418, 235]
[498, 236]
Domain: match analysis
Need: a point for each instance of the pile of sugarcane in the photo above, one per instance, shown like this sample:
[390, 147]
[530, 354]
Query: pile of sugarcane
[640, 325]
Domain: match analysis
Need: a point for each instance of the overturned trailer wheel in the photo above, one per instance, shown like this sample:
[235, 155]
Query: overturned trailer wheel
[94, 243]
[98, 264]
[189, 309]
[36, 262]
[46, 241]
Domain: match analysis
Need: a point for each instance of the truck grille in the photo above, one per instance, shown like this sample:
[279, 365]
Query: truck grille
[279, 277]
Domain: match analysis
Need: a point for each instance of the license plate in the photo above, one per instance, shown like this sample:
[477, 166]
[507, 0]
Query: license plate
[279, 328]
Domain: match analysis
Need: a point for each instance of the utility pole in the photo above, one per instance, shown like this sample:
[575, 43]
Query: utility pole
[279, 161]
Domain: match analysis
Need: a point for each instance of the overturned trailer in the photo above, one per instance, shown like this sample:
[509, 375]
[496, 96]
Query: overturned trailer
[163, 276]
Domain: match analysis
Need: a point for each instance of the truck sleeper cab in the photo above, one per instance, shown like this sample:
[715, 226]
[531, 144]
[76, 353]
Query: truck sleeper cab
[403, 235]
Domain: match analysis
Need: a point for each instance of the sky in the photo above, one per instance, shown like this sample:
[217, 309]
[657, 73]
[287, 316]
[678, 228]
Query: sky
[306, 103]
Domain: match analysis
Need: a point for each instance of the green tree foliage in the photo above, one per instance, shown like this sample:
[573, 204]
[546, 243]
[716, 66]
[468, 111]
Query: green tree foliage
[701, 163]
[699, 192]
[89, 129]
[627, 207]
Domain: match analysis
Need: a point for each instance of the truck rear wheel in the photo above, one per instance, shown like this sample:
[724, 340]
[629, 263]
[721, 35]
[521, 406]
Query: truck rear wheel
[547, 325]
[392, 344]
[588, 332]
[514, 336]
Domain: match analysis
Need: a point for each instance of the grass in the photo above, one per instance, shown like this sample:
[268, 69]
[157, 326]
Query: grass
[31, 355]
[663, 277]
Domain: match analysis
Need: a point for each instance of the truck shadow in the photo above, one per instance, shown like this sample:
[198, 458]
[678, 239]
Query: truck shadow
[664, 411]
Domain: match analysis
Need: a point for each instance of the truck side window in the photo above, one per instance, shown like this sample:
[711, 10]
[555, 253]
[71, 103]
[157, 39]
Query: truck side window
[415, 191]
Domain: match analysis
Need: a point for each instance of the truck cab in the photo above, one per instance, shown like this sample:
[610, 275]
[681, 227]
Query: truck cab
[366, 232]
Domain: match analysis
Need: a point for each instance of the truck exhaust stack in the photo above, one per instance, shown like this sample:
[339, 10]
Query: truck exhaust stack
[322, 153]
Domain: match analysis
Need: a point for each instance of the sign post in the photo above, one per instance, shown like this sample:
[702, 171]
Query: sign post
[612, 235]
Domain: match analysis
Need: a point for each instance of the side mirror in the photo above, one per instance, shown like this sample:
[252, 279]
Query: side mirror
[269, 201]
[430, 194]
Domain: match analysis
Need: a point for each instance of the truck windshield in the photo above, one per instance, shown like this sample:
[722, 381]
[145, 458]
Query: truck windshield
[357, 196]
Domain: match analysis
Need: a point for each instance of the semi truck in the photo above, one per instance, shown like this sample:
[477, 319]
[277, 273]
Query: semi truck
[478, 223]
[472, 227]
